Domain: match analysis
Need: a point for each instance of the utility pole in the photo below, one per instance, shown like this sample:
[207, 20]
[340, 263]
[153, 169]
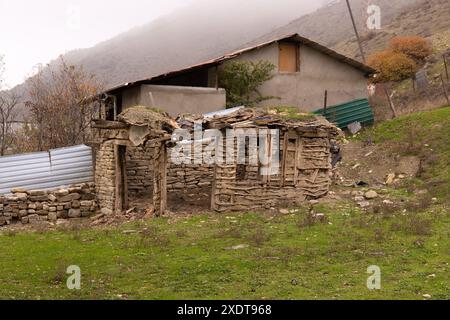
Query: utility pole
[356, 32]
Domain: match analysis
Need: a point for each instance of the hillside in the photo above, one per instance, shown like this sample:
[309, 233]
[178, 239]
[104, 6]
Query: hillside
[426, 18]
[197, 33]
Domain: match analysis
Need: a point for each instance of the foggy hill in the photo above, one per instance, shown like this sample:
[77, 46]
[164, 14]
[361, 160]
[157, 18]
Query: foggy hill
[207, 29]
[331, 24]
[189, 35]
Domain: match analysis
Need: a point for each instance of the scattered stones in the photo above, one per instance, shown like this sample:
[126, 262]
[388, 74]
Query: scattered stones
[106, 211]
[388, 202]
[390, 179]
[370, 195]
[238, 247]
[319, 217]
[364, 204]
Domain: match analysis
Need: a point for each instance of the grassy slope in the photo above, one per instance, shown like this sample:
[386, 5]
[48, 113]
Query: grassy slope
[423, 134]
[188, 258]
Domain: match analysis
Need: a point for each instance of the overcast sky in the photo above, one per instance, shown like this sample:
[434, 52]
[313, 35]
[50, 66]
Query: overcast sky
[33, 32]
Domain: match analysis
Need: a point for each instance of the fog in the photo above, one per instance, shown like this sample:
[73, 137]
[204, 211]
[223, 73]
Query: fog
[35, 32]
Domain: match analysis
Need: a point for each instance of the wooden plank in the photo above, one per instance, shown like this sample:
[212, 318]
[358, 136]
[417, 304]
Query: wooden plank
[105, 124]
[285, 157]
[297, 142]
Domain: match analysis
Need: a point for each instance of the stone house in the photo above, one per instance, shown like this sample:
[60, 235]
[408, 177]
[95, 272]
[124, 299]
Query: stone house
[301, 147]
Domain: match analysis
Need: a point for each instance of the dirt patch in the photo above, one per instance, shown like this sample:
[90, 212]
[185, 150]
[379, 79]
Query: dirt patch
[190, 202]
[372, 164]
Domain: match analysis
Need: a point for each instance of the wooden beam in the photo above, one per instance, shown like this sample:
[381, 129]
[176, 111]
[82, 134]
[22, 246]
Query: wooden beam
[105, 124]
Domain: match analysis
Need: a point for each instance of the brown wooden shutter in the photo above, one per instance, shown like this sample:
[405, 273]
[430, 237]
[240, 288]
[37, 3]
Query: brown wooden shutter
[288, 57]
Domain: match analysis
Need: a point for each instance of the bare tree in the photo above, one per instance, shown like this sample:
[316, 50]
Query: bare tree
[60, 105]
[2, 71]
[9, 102]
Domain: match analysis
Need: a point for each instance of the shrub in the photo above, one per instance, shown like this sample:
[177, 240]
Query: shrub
[414, 47]
[392, 66]
[242, 79]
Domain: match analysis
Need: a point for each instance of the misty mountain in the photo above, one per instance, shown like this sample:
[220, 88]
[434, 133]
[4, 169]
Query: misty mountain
[207, 29]
[189, 35]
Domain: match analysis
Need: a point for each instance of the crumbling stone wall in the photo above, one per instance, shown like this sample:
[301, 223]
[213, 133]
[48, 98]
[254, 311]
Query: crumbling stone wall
[105, 176]
[179, 177]
[140, 170]
[305, 173]
[30, 206]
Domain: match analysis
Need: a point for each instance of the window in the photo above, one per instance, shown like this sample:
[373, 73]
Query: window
[289, 57]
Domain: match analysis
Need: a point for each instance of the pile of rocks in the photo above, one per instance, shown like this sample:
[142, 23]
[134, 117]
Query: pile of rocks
[363, 198]
[31, 206]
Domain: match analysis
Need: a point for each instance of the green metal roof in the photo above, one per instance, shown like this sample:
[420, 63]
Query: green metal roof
[344, 114]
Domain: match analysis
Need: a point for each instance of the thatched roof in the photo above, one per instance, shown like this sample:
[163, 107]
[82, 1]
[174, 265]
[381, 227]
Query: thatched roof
[148, 117]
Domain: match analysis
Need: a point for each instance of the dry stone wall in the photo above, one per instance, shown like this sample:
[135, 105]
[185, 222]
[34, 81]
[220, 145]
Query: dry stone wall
[105, 176]
[179, 177]
[30, 206]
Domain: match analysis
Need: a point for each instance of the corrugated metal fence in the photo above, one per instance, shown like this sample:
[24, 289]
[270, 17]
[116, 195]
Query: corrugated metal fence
[47, 170]
[344, 114]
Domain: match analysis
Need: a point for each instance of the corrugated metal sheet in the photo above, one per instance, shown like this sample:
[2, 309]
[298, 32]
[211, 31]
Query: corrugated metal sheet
[47, 170]
[222, 113]
[344, 114]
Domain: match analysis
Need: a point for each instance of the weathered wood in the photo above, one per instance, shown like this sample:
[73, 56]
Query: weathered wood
[106, 124]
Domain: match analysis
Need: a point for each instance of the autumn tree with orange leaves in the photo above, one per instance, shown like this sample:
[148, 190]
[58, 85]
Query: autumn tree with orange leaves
[401, 60]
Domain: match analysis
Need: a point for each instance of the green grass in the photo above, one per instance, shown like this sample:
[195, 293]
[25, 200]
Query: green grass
[286, 258]
[423, 134]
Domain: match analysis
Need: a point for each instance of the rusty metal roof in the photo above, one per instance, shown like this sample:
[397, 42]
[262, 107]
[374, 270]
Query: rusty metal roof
[291, 37]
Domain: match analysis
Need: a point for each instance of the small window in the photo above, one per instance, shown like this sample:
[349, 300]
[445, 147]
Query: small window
[289, 58]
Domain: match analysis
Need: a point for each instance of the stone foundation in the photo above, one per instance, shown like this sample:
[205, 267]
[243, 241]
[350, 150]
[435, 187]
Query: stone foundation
[39, 205]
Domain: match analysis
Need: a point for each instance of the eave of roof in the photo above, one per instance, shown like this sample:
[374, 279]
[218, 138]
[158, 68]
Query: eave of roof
[214, 62]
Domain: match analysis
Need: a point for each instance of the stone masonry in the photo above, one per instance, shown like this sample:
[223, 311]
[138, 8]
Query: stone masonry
[30, 206]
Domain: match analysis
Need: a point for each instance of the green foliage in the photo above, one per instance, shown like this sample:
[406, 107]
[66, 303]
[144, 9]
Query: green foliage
[241, 79]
